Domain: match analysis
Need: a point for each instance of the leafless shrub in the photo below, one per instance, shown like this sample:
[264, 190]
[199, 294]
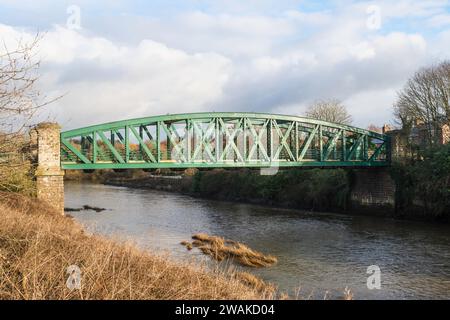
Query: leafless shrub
[20, 100]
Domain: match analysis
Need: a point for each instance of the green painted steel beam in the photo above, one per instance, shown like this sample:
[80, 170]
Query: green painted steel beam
[230, 140]
[111, 147]
[331, 144]
[77, 153]
[355, 147]
[203, 142]
[142, 144]
[96, 149]
[127, 143]
[258, 139]
[308, 142]
[170, 132]
[254, 164]
[377, 152]
[283, 143]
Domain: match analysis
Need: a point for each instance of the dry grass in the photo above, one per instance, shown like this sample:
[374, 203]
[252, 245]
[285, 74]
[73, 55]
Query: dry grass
[187, 244]
[348, 294]
[219, 249]
[37, 246]
[255, 282]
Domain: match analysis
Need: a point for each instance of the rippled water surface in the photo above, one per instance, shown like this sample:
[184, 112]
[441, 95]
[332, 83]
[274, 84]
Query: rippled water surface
[317, 252]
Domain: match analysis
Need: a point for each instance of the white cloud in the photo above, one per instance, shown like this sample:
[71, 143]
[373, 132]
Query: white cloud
[132, 66]
[104, 82]
[372, 106]
[412, 8]
[362, 51]
[286, 83]
[440, 20]
[195, 31]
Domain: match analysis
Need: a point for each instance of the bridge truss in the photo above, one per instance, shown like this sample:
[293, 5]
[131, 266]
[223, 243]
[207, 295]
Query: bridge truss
[221, 140]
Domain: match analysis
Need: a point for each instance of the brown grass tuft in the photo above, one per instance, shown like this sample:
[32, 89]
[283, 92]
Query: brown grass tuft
[201, 237]
[37, 245]
[187, 244]
[219, 249]
[255, 282]
[348, 294]
[197, 243]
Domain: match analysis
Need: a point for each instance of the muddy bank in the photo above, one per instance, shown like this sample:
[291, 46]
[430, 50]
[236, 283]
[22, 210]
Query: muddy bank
[180, 183]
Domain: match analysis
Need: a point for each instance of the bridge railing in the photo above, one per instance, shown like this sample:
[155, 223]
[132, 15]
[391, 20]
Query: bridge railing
[212, 140]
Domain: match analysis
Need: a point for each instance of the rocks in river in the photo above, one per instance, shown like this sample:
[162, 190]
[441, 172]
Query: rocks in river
[84, 208]
[72, 209]
[96, 209]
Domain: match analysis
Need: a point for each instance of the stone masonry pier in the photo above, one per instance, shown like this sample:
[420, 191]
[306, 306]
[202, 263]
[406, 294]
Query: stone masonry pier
[372, 190]
[49, 176]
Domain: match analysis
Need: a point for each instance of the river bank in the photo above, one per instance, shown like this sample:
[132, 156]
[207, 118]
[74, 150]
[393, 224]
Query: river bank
[38, 246]
[331, 190]
[313, 190]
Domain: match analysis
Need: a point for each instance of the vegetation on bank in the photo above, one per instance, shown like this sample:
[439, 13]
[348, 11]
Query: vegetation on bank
[423, 185]
[422, 167]
[17, 164]
[17, 178]
[37, 246]
[312, 189]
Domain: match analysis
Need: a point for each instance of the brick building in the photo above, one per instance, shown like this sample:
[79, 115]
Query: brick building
[418, 138]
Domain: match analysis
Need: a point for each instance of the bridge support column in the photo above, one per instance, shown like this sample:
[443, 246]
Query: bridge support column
[49, 176]
[372, 189]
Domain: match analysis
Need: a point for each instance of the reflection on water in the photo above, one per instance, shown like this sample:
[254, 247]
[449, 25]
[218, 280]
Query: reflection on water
[316, 252]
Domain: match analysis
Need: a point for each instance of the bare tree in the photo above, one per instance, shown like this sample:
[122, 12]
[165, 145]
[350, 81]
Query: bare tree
[329, 110]
[19, 101]
[425, 99]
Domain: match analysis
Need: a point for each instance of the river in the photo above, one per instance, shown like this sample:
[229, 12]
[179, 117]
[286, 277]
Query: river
[317, 252]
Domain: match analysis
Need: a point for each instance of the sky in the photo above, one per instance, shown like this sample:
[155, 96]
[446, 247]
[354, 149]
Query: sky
[113, 60]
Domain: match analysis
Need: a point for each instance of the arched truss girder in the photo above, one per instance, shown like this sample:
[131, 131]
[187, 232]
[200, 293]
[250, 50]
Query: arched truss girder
[222, 140]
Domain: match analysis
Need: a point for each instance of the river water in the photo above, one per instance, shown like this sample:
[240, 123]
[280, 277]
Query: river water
[317, 252]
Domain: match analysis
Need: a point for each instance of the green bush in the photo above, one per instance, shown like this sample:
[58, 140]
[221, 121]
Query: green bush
[17, 179]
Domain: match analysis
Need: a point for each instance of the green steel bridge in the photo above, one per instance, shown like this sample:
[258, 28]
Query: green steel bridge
[222, 140]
